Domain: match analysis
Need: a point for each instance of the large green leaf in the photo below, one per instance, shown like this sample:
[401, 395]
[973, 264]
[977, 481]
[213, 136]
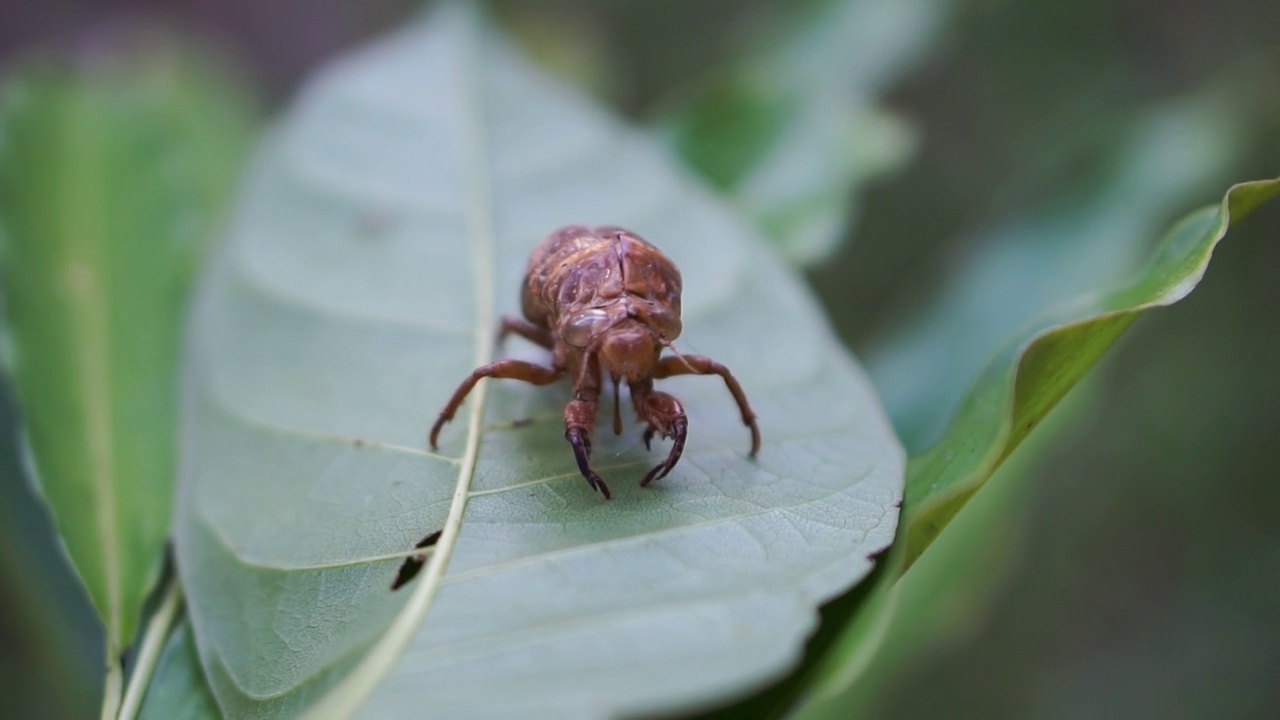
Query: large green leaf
[112, 172]
[385, 226]
[1010, 398]
[794, 131]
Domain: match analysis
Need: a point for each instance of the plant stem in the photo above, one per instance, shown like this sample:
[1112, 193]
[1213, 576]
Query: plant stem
[111, 691]
[153, 640]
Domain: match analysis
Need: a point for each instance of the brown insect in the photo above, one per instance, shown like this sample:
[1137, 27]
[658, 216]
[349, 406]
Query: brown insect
[605, 302]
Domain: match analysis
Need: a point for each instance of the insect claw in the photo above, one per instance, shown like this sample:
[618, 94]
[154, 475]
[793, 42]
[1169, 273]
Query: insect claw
[582, 453]
[679, 431]
[652, 474]
[598, 484]
[648, 438]
[435, 430]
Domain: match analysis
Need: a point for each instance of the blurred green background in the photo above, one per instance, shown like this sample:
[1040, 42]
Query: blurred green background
[1145, 580]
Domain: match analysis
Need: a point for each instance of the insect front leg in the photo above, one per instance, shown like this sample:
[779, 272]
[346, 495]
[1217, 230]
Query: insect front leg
[505, 369]
[579, 421]
[671, 366]
[525, 329]
[665, 416]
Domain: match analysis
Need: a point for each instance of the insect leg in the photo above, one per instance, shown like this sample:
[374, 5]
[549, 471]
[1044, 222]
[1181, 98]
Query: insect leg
[617, 410]
[702, 365]
[527, 330]
[680, 431]
[505, 369]
[579, 419]
[665, 416]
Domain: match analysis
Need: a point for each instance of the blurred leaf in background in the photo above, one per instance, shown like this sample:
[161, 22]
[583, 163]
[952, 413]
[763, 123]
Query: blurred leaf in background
[1087, 238]
[793, 129]
[1139, 582]
[1011, 397]
[116, 159]
[779, 106]
[50, 639]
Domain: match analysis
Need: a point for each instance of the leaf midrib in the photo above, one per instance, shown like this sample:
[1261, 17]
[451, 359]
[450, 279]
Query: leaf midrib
[87, 313]
[345, 697]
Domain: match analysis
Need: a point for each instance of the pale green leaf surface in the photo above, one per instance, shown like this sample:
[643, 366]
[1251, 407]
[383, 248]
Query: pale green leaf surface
[111, 175]
[796, 131]
[1009, 399]
[386, 222]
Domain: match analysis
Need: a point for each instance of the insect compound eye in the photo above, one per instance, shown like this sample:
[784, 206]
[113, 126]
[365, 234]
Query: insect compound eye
[580, 330]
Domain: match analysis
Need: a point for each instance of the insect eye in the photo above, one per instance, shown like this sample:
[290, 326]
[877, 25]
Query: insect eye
[580, 330]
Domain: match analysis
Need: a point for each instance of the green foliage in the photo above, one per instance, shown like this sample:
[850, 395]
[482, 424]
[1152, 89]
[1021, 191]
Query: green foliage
[178, 690]
[1048, 356]
[793, 132]
[386, 224]
[1083, 244]
[1009, 399]
[385, 227]
[52, 635]
[111, 176]
[1086, 238]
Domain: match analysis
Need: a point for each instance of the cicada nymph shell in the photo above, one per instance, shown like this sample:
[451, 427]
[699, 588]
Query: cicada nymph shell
[606, 303]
